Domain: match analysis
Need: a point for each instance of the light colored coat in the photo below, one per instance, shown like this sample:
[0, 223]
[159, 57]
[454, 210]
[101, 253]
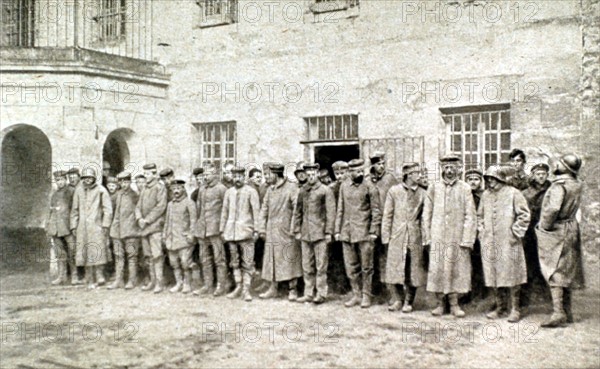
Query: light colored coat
[503, 217]
[152, 206]
[180, 221]
[124, 224]
[450, 227]
[240, 214]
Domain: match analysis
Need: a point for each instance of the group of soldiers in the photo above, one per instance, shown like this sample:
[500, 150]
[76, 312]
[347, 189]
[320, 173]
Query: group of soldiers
[442, 236]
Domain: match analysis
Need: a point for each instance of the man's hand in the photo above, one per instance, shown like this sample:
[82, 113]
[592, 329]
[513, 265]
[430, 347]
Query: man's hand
[142, 223]
[189, 239]
[263, 236]
[337, 237]
[298, 236]
[255, 236]
[328, 238]
[372, 237]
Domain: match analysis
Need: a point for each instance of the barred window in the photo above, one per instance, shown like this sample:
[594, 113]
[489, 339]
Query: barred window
[111, 20]
[480, 135]
[332, 127]
[17, 22]
[218, 142]
[217, 12]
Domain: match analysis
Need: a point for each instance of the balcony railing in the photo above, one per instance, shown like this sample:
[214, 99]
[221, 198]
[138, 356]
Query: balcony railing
[119, 27]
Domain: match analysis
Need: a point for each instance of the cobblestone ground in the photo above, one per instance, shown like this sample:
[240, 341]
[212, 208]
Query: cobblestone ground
[71, 327]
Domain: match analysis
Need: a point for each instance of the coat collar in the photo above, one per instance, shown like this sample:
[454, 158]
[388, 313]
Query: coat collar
[450, 183]
[413, 188]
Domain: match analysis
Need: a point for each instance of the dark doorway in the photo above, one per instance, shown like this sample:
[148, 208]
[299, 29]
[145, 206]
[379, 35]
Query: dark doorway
[326, 156]
[116, 151]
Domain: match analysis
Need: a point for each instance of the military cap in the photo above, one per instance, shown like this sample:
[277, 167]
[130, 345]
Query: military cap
[498, 172]
[73, 171]
[323, 173]
[312, 166]
[339, 165]
[125, 176]
[356, 163]
[150, 166]
[572, 162]
[276, 168]
[60, 174]
[197, 171]
[140, 176]
[377, 157]
[88, 173]
[299, 167]
[111, 179]
[409, 168]
[540, 166]
[166, 172]
[178, 181]
[472, 172]
[238, 170]
[449, 159]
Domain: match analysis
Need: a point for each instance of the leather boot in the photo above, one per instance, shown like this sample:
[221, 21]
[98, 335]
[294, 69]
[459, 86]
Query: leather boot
[237, 292]
[89, 277]
[132, 268]
[409, 298]
[100, 280]
[499, 301]
[454, 306]
[178, 281]
[187, 281]
[208, 276]
[366, 301]
[355, 300]
[221, 281]
[247, 282]
[396, 304]
[293, 290]
[61, 275]
[558, 317]
[515, 296]
[119, 270]
[270, 293]
[567, 304]
[439, 309]
[152, 274]
[158, 270]
[74, 274]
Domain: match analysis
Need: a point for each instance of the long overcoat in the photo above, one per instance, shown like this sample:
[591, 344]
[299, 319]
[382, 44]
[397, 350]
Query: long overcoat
[450, 228]
[124, 224]
[282, 259]
[57, 223]
[503, 217]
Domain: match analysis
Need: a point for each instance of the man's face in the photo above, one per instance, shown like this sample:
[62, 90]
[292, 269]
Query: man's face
[200, 179]
[149, 174]
[125, 184]
[238, 179]
[474, 181]
[61, 182]
[413, 178]
[340, 174]
[74, 179]
[379, 167]
[105, 172]
[450, 171]
[228, 175]
[112, 187]
[301, 176]
[423, 179]
[518, 162]
[492, 183]
[177, 189]
[312, 176]
[540, 176]
[256, 178]
[355, 173]
[270, 177]
[88, 181]
[140, 182]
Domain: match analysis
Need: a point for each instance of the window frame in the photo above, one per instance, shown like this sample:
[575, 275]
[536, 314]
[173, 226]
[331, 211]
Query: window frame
[217, 19]
[108, 16]
[208, 130]
[348, 123]
[19, 29]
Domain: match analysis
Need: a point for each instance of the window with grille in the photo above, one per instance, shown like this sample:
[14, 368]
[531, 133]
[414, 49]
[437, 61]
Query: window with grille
[324, 6]
[111, 20]
[332, 128]
[217, 141]
[480, 135]
[17, 22]
[217, 12]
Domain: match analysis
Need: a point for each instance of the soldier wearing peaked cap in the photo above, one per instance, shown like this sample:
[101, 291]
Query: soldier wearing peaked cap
[124, 233]
[198, 175]
[357, 225]
[383, 180]
[178, 235]
[74, 177]
[57, 229]
[559, 239]
[324, 177]
[166, 177]
[340, 171]
[503, 218]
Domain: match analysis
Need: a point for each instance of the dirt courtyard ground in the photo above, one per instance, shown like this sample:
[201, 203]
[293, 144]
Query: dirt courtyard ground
[71, 327]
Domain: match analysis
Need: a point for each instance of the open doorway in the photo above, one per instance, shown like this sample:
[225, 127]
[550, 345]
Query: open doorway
[116, 151]
[327, 155]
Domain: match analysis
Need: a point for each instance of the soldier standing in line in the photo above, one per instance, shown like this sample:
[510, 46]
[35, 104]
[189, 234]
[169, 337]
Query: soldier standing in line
[166, 177]
[340, 171]
[401, 232]
[239, 227]
[212, 249]
[178, 235]
[559, 240]
[58, 230]
[519, 179]
[282, 257]
[383, 180]
[474, 177]
[74, 177]
[198, 175]
[140, 183]
[124, 232]
[91, 216]
[324, 177]
[150, 215]
[503, 218]
[228, 180]
[357, 225]
[423, 179]
[450, 227]
[314, 220]
[112, 186]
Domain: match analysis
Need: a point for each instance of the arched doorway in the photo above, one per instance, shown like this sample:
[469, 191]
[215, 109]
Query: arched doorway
[116, 150]
[26, 182]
